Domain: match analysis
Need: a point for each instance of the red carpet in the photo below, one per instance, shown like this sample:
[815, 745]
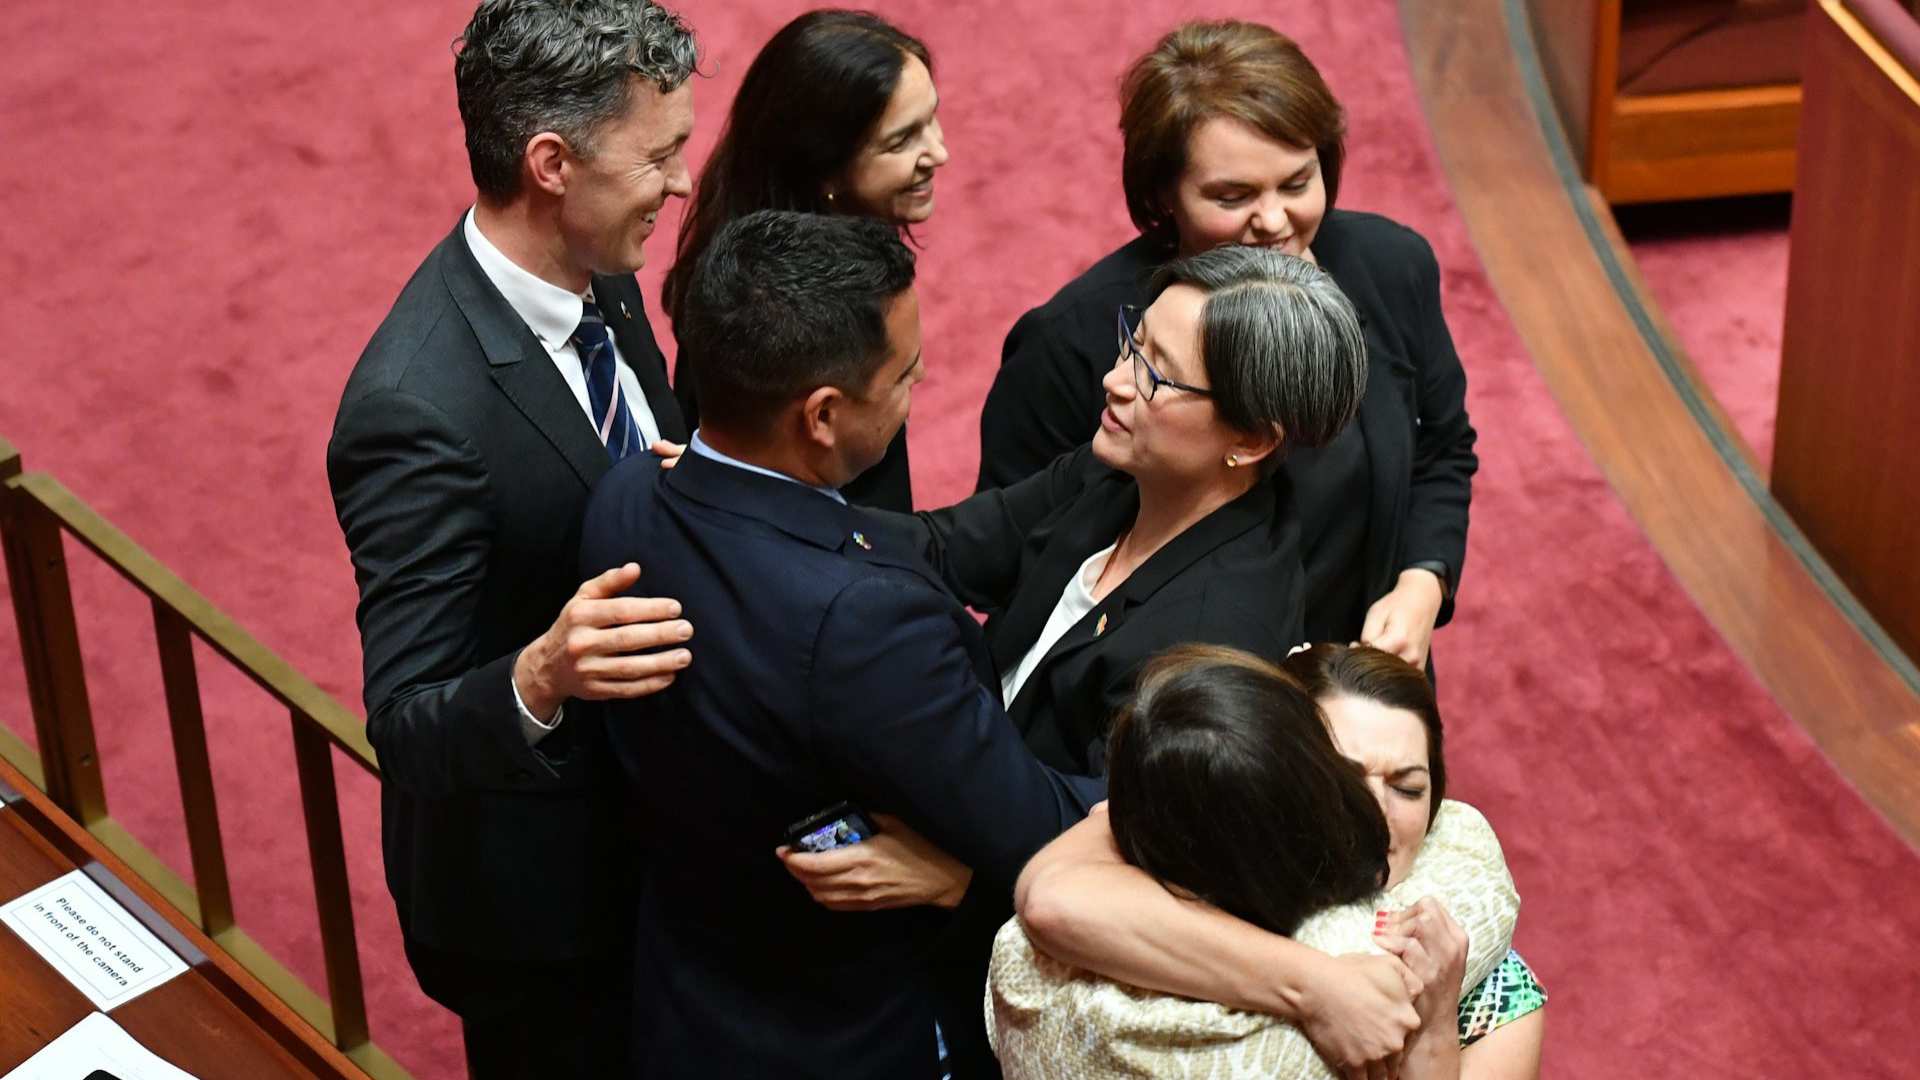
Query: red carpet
[1718, 270]
[208, 212]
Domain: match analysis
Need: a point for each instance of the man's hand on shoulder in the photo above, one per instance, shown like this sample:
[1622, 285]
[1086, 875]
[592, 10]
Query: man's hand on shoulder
[588, 652]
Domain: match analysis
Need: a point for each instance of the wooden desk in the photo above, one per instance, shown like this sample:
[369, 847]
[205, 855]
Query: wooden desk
[214, 1021]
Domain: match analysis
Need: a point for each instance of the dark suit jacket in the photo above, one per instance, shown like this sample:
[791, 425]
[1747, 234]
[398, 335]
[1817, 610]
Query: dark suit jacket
[830, 664]
[460, 464]
[1233, 578]
[1046, 398]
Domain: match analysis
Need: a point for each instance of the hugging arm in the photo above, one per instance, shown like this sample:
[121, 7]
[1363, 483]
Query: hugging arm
[1081, 903]
[411, 494]
[906, 723]
[975, 544]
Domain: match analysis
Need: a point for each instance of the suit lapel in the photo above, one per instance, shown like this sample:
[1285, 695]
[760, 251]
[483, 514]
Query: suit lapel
[1093, 521]
[626, 314]
[520, 365]
[1253, 510]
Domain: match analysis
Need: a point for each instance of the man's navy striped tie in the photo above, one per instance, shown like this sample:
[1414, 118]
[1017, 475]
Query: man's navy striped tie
[609, 406]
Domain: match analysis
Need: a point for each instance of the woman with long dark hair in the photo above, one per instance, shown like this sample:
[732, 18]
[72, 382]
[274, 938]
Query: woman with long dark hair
[836, 115]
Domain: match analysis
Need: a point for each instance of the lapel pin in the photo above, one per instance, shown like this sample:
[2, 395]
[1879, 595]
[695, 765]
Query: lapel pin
[861, 539]
[1100, 627]
[624, 313]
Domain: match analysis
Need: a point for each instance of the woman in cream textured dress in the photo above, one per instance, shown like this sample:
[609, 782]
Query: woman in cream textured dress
[1447, 912]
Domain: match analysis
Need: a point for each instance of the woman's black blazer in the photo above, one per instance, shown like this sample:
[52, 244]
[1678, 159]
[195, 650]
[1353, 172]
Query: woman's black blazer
[1419, 442]
[1233, 578]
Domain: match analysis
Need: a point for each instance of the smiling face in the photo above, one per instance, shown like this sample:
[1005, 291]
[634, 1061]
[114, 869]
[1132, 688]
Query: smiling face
[891, 176]
[1241, 187]
[864, 425]
[1391, 745]
[612, 195]
[1178, 435]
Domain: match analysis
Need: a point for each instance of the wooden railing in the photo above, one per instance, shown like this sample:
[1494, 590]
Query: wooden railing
[36, 512]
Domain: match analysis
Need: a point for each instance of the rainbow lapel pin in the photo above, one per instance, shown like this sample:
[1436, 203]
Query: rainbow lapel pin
[1100, 627]
[861, 539]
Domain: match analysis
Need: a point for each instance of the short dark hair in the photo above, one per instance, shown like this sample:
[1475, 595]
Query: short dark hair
[1281, 343]
[804, 108]
[784, 302]
[522, 67]
[1364, 672]
[1222, 781]
[1241, 70]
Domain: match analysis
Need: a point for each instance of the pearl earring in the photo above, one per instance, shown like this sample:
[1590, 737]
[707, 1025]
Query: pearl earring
[1233, 461]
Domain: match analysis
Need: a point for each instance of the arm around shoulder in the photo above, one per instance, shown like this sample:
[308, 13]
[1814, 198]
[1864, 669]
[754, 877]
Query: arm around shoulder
[411, 494]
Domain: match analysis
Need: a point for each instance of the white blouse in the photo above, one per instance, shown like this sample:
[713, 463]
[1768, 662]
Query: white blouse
[1075, 601]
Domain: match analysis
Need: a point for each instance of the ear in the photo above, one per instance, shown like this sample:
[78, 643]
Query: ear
[1252, 449]
[817, 414]
[548, 163]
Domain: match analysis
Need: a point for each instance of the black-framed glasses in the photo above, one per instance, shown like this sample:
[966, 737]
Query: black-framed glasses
[1145, 379]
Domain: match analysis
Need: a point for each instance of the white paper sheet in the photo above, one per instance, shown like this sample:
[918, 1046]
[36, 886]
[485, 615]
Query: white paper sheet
[88, 937]
[95, 1043]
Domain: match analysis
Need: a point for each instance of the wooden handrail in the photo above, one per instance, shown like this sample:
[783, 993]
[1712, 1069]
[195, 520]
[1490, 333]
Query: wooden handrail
[264, 666]
[36, 513]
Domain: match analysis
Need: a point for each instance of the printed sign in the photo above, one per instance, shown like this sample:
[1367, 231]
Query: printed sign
[94, 1047]
[88, 937]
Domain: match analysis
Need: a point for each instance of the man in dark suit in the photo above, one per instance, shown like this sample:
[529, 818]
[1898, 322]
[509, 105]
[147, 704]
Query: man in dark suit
[514, 368]
[834, 667]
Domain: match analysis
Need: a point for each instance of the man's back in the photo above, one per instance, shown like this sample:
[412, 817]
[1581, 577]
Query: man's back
[831, 666]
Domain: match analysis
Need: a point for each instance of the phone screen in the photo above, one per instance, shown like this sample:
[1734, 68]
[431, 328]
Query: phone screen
[837, 833]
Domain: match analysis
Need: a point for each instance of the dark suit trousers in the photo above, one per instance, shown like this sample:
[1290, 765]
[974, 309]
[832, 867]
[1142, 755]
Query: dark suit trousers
[538, 1020]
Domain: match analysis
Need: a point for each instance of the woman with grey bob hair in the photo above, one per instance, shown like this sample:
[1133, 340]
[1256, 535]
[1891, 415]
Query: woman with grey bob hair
[1161, 532]
[1296, 361]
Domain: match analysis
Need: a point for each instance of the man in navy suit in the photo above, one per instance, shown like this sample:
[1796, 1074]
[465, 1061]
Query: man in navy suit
[834, 667]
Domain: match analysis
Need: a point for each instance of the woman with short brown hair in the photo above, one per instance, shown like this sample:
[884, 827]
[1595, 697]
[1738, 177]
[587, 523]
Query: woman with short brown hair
[1232, 137]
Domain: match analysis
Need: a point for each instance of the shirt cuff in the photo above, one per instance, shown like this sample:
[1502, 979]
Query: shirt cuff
[532, 726]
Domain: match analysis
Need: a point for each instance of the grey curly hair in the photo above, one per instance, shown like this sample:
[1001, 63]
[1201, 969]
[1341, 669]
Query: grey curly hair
[522, 67]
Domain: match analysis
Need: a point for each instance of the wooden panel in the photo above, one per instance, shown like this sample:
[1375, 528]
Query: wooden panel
[1849, 417]
[1565, 31]
[214, 1021]
[1702, 143]
[1640, 409]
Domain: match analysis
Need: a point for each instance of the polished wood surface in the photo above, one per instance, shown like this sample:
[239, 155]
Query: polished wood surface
[1702, 143]
[215, 1020]
[1848, 432]
[1642, 412]
[1649, 147]
[1569, 44]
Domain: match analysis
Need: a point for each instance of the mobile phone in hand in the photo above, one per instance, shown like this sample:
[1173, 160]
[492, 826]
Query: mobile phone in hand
[837, 826]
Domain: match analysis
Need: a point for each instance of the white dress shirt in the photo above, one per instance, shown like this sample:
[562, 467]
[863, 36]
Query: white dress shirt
[1075, 601]
[698, 445]
[553, 314]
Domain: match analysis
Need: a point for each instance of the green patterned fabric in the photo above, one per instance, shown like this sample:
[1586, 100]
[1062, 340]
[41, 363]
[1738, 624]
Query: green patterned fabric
[1508, 994]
